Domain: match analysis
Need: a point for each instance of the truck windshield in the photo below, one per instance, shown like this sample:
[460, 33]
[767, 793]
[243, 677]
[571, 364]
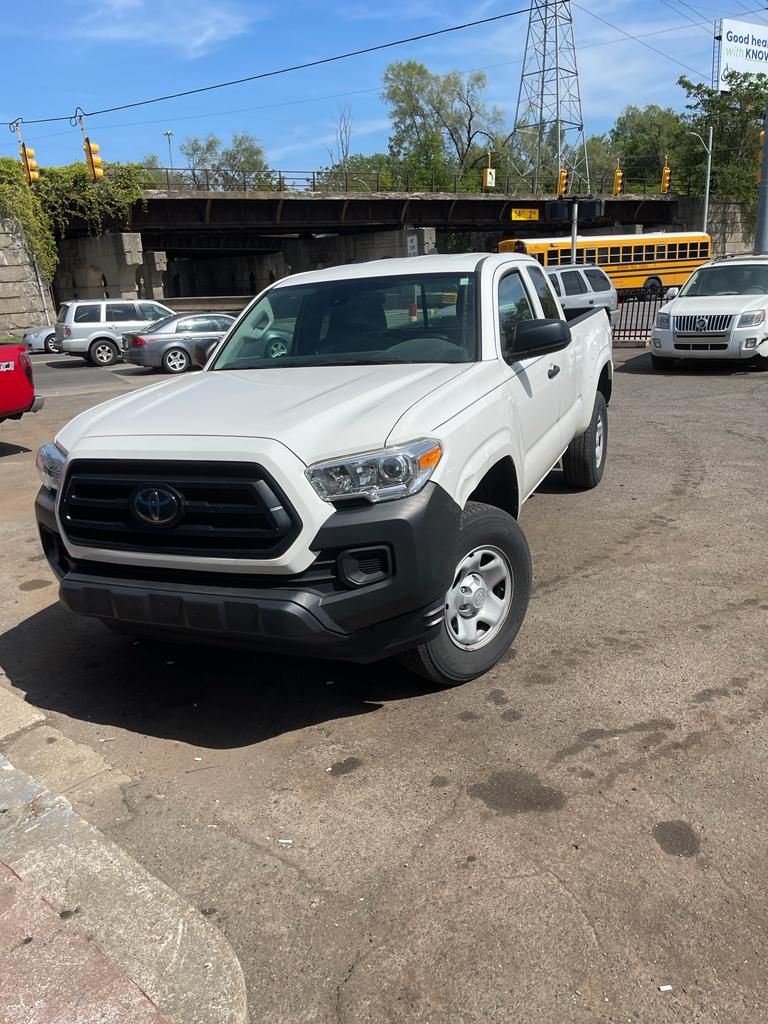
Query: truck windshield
[728, 279]
[419, 318]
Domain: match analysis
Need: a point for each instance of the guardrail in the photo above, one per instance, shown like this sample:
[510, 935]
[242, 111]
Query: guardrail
[382, 181]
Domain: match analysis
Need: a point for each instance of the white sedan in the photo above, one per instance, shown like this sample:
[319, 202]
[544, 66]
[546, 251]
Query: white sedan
[41, 339]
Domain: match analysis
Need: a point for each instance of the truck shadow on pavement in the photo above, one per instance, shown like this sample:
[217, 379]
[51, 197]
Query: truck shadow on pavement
[689, 368]
[209, 697]
[6, 448]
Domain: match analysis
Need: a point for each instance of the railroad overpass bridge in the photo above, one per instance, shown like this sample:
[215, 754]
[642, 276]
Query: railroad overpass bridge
[197, 243]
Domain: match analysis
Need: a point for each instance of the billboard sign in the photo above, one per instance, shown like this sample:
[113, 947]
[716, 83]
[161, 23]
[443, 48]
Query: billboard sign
[743, 48]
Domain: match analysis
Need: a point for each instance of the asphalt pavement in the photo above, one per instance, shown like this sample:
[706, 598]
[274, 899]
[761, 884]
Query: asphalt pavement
[577, 836]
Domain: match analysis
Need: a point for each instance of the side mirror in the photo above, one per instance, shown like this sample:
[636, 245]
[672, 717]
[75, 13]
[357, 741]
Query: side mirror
[671, 293]
[536, 338]
[201, 353]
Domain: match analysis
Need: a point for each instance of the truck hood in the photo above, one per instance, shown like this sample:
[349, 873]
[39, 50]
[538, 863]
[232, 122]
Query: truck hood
[318, 412]
[715, 304]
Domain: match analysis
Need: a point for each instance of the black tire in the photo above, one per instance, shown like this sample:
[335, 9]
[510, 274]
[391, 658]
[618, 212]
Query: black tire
[176, 360]
[51, 345]
[584, 462]
[661, 364]
[103, 352]
[442, 660]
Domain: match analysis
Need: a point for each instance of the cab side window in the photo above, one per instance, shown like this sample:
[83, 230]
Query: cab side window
[545, 293]
[573, 283]
[513, 307]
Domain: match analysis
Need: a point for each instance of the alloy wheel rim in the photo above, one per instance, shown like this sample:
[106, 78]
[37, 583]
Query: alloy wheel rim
[478, 601]
[176, 361]
[599, 442]
[104, 353]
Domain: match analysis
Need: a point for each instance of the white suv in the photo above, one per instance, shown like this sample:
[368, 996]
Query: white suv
[93, 328]
[721, 312]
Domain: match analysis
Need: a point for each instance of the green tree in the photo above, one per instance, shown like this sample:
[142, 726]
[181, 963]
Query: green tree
[736, 117]
[440, 122]
[643, 137]
[241, 164]
[22, 202]
[602, 162]
[71, 198]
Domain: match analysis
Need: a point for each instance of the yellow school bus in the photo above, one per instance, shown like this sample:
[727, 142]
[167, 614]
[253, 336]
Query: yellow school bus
[652, 262]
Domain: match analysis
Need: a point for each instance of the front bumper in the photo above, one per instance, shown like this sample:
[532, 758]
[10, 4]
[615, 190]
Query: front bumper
[732, 345]
[319, 612]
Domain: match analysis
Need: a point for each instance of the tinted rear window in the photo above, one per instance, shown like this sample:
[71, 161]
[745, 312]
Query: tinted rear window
[121, 311]
[62, 313]
[87, 314]
[598, 280]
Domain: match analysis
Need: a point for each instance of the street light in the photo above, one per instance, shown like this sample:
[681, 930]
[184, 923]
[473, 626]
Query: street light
[708, 149]
[169, 135]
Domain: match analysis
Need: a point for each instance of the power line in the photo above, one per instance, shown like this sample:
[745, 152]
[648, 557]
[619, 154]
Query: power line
[637, 39]
[279, 71]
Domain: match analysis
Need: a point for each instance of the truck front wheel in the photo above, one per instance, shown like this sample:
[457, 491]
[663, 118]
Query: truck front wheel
[485, 604]
[584, 460]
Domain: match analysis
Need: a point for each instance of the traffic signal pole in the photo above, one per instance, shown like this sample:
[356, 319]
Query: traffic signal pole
[574, 229]
[761, 225]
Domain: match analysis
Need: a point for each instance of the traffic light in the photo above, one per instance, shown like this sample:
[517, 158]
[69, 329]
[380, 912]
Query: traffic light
[92, 159]
[562, 181]
[618, 181]
[28, 163]
[666, 178]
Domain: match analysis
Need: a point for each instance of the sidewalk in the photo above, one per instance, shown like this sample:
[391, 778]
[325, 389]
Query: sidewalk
[51, 973]
[87, 935]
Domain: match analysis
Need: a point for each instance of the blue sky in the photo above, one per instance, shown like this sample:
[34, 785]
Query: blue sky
[63, 53]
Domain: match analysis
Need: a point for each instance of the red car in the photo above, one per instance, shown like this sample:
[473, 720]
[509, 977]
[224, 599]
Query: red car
[17, 388]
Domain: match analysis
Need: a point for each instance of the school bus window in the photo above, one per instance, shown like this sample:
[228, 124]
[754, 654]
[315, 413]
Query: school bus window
[637, 254]
[615, 256]
[661, 252]
[704, 249]
[590, 255]
[602, 254]
[693, 250]
[626, 254]
[682, 251]
[540, 258]
[672, 252]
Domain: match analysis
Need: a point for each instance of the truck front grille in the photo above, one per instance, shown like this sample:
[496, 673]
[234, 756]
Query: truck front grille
[707, 323]
[220, 509]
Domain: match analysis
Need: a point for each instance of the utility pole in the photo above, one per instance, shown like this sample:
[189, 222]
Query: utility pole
[169, 135]
[761, 225]
[574, 229]
[708, 148]
[549, 101]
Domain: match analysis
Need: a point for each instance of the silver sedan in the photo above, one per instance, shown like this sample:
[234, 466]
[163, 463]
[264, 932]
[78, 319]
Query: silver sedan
[41, 339]
[169, 344]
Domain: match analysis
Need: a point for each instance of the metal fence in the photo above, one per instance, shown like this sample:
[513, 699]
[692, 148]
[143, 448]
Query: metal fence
[219, 179]
[636, 316]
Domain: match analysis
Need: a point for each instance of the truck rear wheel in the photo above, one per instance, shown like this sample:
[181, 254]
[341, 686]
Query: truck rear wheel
[584, 461]
[485, 604]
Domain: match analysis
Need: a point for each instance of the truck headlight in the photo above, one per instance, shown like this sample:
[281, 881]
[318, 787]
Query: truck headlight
[377, 476]
[50, 464]
[662, 321]
[752, 319]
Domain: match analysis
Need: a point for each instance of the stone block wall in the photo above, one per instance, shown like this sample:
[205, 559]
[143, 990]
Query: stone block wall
[108, 266]
[23, 301]
[730, 227]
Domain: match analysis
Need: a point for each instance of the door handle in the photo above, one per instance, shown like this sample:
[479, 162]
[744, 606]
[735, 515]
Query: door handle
[553, 371]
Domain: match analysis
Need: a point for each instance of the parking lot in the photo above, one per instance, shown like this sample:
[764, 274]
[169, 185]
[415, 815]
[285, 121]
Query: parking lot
[552, 842]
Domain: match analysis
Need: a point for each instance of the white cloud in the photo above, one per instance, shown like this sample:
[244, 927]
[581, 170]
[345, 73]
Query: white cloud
[192, 29]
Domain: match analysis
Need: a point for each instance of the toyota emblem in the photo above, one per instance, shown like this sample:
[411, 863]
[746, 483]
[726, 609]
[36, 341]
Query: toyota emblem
[156, 506]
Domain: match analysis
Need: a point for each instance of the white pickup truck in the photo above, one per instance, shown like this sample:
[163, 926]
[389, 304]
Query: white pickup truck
[344, 477]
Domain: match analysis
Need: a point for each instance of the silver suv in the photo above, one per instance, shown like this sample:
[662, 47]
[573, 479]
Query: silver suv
[92, 328]
[584, 288]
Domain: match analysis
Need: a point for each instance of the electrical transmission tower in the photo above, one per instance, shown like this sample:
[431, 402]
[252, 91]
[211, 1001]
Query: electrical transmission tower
[548, 136]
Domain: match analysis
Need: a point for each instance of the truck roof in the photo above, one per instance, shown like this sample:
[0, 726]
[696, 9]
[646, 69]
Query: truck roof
[466, 262]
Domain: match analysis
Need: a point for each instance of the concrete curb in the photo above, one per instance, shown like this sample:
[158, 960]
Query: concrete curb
[166, 946]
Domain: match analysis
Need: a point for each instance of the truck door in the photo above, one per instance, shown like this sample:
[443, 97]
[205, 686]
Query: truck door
[568, 362]
[533, 388]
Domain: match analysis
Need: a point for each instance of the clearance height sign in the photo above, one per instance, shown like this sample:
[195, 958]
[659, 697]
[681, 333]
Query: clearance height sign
[743, 48]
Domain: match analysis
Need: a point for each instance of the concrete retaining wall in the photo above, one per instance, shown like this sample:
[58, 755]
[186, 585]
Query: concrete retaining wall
[730, 227]
[108, 266]
[23, 301]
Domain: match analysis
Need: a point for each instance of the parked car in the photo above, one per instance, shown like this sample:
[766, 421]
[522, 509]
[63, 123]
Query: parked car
[585, 288]
[92, 328]
[346, 485]
[41, 339]
[721, 312]
[17, 386]
[169, 344]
